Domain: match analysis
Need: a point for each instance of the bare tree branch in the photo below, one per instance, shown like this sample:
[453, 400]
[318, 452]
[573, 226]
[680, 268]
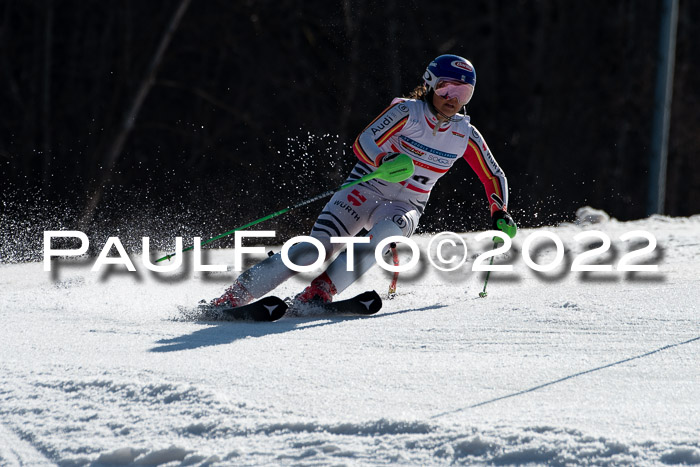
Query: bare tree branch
[115, 149]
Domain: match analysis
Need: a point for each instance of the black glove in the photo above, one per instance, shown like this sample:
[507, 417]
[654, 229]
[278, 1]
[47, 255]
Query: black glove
[389, 156]
[502, 221]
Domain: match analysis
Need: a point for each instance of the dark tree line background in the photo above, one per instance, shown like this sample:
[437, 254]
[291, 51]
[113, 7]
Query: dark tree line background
[247, 106]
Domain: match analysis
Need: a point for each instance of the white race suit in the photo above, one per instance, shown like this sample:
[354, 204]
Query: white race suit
[386, 209]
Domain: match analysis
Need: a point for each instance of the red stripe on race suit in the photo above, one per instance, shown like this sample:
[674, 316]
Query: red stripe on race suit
[429, 167]
[357, 149]
[413, 187]
[491, 182]
[400, 124]
[433, 126]
[419, 163]
[361, 153]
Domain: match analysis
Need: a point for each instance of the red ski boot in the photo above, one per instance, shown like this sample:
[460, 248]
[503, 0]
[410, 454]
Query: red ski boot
[234, 296]
[321, 290]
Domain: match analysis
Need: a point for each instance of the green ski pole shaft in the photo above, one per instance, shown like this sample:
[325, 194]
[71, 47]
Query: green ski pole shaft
[483, 293]
[274, 214]
[395, 171]
[502, 225]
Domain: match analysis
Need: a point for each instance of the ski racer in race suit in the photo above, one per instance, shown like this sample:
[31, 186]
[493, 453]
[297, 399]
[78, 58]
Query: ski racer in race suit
[427, 127]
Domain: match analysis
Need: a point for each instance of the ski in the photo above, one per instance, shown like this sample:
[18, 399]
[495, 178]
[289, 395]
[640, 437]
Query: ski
[272, 308]
[366, 303]
[266, 309]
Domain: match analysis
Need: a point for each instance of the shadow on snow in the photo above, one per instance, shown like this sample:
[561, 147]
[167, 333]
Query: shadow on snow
[226, 332]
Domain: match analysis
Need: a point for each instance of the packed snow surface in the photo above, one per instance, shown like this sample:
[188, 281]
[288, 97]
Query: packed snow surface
[559, 367]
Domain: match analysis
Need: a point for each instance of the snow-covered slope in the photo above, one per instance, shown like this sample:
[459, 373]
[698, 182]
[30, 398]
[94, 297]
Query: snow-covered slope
[558, 367]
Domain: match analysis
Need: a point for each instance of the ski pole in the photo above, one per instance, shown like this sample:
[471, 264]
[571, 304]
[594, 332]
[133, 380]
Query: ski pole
[393, 171]
[483, 293]
[392, 286]
[501, 224]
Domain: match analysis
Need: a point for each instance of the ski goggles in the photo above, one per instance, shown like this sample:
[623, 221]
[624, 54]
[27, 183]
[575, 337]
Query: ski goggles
[449, 89]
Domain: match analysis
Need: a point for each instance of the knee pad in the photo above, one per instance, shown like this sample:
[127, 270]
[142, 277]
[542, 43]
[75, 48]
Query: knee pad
[404, 216]
[383, 229]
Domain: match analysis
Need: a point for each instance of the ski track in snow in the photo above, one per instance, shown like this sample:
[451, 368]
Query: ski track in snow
[558, 368]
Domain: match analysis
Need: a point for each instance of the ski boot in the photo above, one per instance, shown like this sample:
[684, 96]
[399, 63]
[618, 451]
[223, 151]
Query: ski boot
[319, 292]
[235, 295]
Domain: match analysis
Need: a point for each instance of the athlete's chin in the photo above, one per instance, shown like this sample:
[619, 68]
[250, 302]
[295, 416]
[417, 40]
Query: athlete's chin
[449, 110]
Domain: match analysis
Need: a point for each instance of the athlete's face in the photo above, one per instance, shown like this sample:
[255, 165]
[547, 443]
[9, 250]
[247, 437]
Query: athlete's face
[446, 106]
[450, 96]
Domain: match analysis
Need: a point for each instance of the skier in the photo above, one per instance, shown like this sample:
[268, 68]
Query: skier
[429, 128]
